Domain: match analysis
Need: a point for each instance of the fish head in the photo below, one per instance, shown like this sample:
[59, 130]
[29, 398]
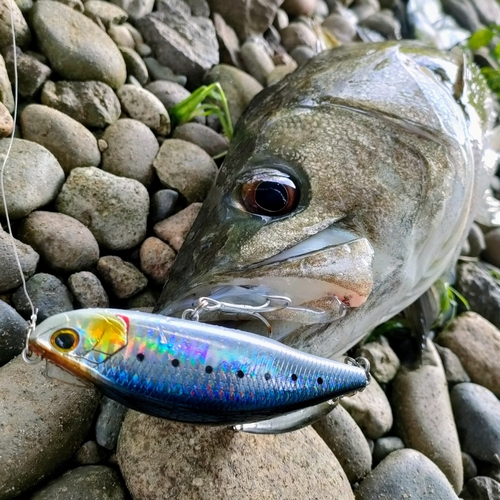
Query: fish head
[345, 190]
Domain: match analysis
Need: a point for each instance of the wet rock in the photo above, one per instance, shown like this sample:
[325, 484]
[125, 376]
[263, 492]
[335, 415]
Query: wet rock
[204, 137]
[6, 96]
[115, 209]
[123, 277]
[229, 45]
[384, 23]
[453, 368]
[406, 474]
[463, 12]
[481, 488]
[476, 342]
[476, 241]
[371, 410]
[106, 12]
[6, 121]
[90, 453]
[186, 44]
[135, 64]
[156, 259]
[299, 7]
[23, 34]
[340, 27]
[238, 87]
[343, 436]
[169, 93]
[298, 34]
[384, 362]
[75, 46]
[12, 333]
[256, 60]
[145, 107]
[424, 416]
[33, 177]
[175, 229]
[185, 167]
[93, 104]
[34, 409]
[9, 272]
[92, 481]
[87, 290]
[492, 244]
[64, 244]
[130, 150]
[153, 452]
[162, 204]
[477, 415]
[109, 422]
[48, 295]
[470, 468]
[302, 54]
[68, 140]
[384, 446]
[135, 8]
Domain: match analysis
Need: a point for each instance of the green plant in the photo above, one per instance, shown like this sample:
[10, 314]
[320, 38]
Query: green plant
[484, 38]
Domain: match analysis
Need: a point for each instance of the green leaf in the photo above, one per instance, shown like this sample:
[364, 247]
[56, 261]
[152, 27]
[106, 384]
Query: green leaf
[481, 38]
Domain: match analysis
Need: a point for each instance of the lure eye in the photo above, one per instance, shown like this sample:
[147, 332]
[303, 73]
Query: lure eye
[270, 196]
[64, 340]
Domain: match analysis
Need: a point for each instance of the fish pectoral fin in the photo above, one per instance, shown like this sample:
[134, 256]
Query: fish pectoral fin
[289, 421]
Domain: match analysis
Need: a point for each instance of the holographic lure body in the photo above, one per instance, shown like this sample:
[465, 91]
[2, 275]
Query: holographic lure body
[188, 371]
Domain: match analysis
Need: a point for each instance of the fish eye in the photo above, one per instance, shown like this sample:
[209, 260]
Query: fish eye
[270, 195]
[64, 340]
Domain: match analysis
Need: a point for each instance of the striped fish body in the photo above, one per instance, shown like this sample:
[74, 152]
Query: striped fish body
[187, 371]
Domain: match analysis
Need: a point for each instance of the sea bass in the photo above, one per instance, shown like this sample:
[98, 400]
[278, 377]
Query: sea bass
[349, 188]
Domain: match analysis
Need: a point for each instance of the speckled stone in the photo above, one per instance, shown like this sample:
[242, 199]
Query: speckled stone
[12, 333]
[6, 96]
[384, 362]
[87, 290]
[90, 453]
[123, 277]
[481, 488]
[453, 368]
[156, 259]
[23, 34]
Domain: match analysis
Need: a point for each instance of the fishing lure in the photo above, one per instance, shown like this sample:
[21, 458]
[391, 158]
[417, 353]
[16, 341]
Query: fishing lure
[193, 372]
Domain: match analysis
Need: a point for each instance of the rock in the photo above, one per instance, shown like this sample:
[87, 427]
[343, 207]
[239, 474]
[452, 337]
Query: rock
[131, 149]
[384, 446]
[115, 209]
[476, 241]
[186, 44]
[204, 137]
[169, 93]
[68, 140]
[463, 12]
[13, 330]
[90, 453]
[6, 121]
[145, 107]
[123, 277]
[302, 54]
[424, 416]
[9, 272]
[93, 104]
[87, 290]
[492, 243]
[135, 8]
[247, 17]
[153, 452]
[32, 177]
[470, 469]
[481, 488]
[48, 295]
[480, 289]
[298, 34]
[75, 46]
[371, 410]
[279, 72]
[6, 96]
[477, 415]
[175, 229]
[144, 50]
[156, 259]
[365, 8]
[35, 410]
[340, 27]
[384, 23]
[109, 422]
[238, 87]
[199, 7]
[21, 30]
[162, 204]
[343, 436]
[487, 469]
[406, 474]
[121, 36]
[453, 368]
[488, 11]
[160, 72]
[476, 342]
[143, 301]
[229, 45]
[107, 12]
[299, 7]
[64, 244]
[256, 60]
[185, 167]
[135, 64]
[384, 362]
[97, 482]
[136, 35]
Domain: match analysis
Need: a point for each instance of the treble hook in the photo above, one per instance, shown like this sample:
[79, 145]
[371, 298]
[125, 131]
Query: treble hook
[27, 355]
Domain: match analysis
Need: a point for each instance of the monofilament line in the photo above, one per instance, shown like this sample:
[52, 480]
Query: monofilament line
[4, 163]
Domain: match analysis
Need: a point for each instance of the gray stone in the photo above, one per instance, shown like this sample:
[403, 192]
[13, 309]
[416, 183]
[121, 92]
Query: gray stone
[279, 72]
[135, 64]
[121, 36]
[6, 96]
[136, 35]
[384, 23]
[159, 72]
[199, 7]
[256, 60]
[406, 474]
[206, 138]
[13, 330]
[10, 277]
[162, 204]
[299, 7]
[470, 468]
[76, 47]
[453, 368]
[365, 8]
[298, 34]
[115, 209]
[109, 422]
[144, 50]
[476, 342]
[135, 8]
[123, 277]
[185, 167]
[93, 104]
[424, 416]
[488, 11]
[476, 241]
[477, 415]
[481, 488]
[492, 244]
[130, 150]
[106, 12]
[340, 27]
[343, 436]
[96, 482]
[302, 54]
[371, 410]
[170, 93]
[384, 362]
[42, 422]
[384, 446]
[194, 459]
[156, 259]
[186, 44]
[281, 20]
[90, 453]
[68, 140]
[64, 244]
[32, 177]
[142, 105]
[229, 45]
[23, 34]
[463, 12]
[87, 290]
[143, 301]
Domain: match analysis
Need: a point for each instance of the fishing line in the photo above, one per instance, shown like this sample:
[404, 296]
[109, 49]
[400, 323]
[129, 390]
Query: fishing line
[32, 321]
